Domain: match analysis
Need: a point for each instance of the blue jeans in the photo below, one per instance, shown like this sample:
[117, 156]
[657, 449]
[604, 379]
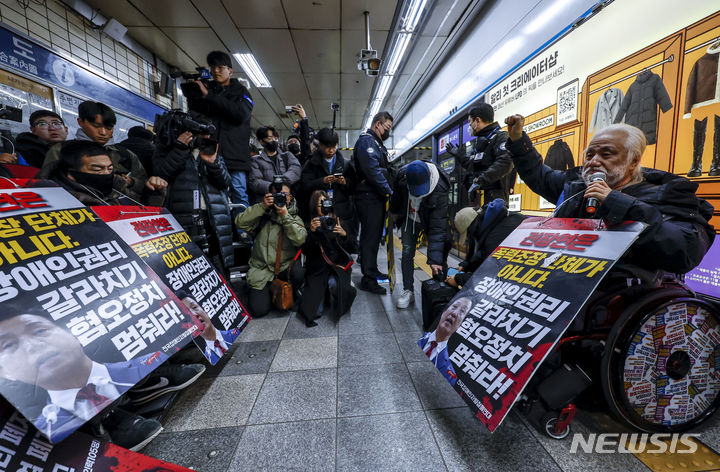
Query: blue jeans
[238, 187]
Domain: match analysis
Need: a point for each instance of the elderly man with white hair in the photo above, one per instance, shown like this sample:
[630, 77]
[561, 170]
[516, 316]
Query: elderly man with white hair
[678, 233]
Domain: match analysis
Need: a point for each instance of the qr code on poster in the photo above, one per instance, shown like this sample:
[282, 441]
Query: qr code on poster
[567, 100]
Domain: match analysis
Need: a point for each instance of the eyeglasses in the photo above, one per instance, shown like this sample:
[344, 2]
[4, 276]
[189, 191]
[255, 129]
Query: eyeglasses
[52, 124]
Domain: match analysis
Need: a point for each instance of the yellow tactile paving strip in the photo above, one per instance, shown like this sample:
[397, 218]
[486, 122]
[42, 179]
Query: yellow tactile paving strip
[703, 460]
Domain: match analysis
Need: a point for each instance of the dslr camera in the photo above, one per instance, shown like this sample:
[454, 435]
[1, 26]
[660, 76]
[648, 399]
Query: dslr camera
[172, 124]
[327, 222]
[279, 198]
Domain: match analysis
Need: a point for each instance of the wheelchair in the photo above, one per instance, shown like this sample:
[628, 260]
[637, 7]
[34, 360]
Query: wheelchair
[650, 356]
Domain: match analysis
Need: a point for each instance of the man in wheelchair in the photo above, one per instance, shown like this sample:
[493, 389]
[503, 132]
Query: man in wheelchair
[640, 300]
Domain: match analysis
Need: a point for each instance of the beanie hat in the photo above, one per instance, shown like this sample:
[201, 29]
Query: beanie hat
[417, 176]
[464, 218]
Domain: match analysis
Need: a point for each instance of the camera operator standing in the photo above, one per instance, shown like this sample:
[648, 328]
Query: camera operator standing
[198, 179]
[228, 104]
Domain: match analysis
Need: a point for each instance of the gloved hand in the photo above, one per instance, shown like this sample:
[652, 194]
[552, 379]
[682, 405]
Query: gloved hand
[453, 150]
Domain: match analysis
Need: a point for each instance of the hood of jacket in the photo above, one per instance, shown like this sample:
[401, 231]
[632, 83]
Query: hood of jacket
[644, 76]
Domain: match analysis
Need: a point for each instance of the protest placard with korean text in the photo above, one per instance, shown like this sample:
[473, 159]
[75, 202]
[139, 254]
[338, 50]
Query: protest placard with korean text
[500, 326]
[83, 318]
[157, 237]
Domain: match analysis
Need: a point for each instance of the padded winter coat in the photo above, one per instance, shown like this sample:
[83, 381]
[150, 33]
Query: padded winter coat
[313, 173]
[639, 107]
[230, 109]
[265, 167]
[185, 176]
[433, 214]
[265, 227]
[677, 235]
[559, 156]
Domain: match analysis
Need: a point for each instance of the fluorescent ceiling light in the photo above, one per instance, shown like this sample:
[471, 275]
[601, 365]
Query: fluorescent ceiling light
[398, 52]
[253, 70]
[546, 16]
[414, 13]
[383, 87]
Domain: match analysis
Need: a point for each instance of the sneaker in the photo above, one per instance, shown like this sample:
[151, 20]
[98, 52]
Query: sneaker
[164, 379]
[372, 286]
[129, 430]
[406, 298]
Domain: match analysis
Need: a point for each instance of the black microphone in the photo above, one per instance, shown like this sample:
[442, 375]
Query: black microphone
[593, 203]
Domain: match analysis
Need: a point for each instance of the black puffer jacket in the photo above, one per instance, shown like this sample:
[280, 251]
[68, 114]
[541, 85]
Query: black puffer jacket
[677, 235]
[144, 149]
[230, 109]
[317, 271]
[559, 156]
[185, 176]
[433, 214]
[311, 179]
[490, 163]
[32, 149]
[639, 107]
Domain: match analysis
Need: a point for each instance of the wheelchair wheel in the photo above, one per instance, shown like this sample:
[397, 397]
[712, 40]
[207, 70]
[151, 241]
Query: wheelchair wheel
[661, 365]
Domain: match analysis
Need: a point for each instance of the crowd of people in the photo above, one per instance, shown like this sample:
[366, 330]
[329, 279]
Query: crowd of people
[310, 212]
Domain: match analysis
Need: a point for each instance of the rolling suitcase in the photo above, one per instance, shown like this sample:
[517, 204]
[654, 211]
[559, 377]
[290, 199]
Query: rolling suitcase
[435, 297]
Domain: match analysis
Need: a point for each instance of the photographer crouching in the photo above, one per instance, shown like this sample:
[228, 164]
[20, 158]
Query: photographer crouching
[328, 262]
[278, 234]
[197, 179]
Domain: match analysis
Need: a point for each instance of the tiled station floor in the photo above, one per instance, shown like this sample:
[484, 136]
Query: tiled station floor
[354, 394]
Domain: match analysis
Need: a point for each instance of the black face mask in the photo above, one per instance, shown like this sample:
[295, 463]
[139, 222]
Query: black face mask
[103, 183]
[385, 135]
[271, 146]
[294, 148]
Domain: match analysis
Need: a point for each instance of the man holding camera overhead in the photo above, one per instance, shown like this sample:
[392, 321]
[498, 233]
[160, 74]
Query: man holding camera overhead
[198, 179]
[228, 104]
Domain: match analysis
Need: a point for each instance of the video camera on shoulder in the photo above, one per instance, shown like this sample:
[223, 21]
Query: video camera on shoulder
[279, 198]
[173, 123]
[327, 222]
[190, 89]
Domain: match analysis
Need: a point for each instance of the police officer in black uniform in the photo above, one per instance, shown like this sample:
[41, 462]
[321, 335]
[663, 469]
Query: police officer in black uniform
[374, 178]
[489, 167]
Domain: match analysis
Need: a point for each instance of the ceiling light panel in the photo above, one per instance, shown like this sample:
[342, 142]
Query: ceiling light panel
[253, 70]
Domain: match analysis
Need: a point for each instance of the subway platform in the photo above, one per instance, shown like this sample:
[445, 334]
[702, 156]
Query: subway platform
[357, 394]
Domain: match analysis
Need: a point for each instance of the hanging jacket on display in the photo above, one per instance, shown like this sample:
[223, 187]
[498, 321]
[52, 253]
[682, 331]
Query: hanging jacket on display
[639, 107]
[606, 109]
[559, 156]
[702, 85]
